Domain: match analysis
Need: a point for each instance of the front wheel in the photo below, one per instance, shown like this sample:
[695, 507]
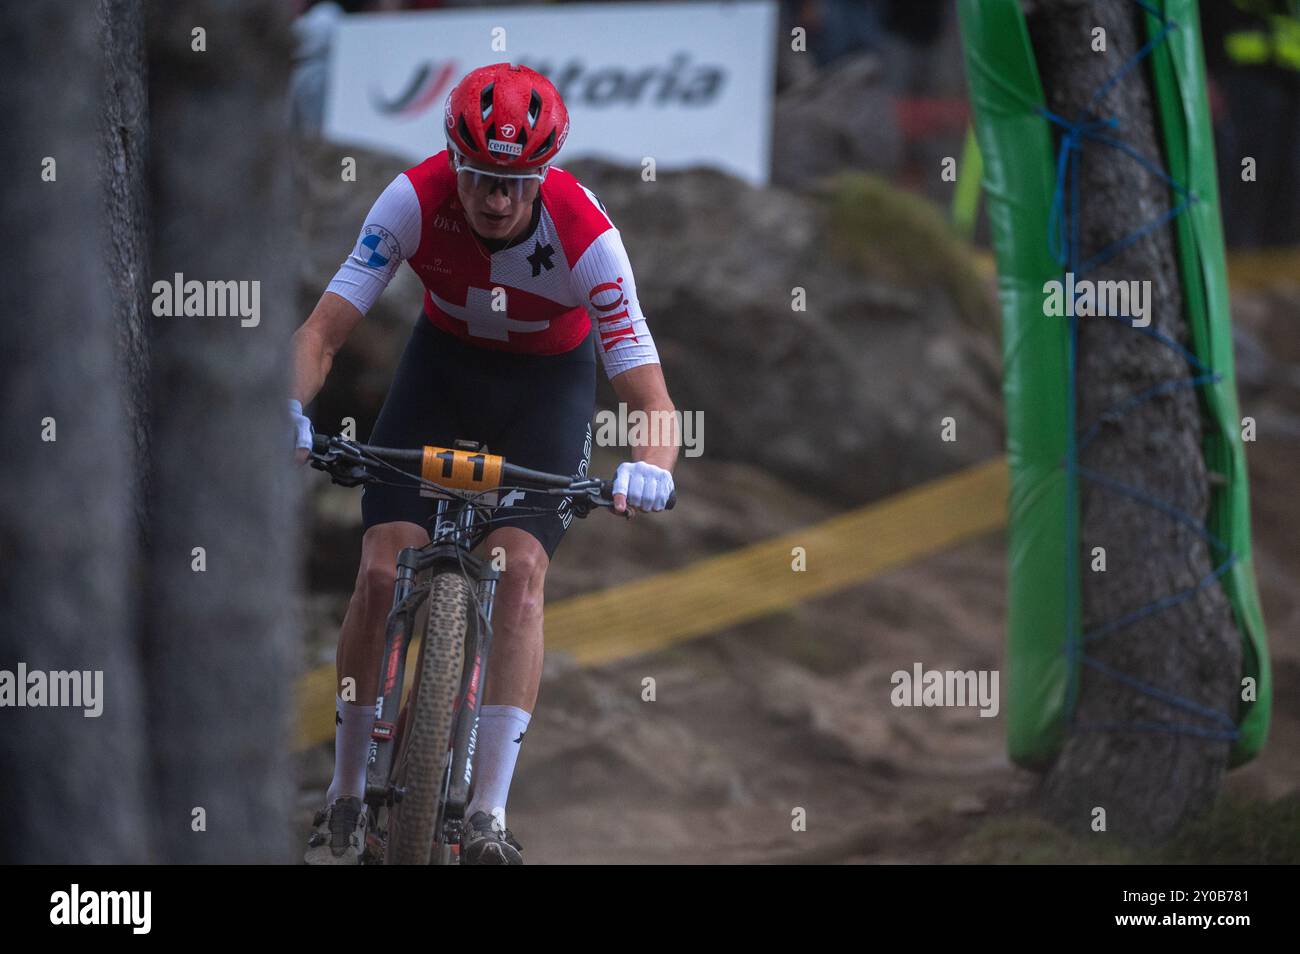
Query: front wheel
[421, 764]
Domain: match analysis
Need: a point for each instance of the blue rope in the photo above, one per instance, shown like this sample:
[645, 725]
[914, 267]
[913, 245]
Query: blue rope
[1161, 604]
[1174, 346]
[1175, 728]
[1064, 244]
[1155, 692]
[1174, 513]
[1139, 56]
[1115, 413]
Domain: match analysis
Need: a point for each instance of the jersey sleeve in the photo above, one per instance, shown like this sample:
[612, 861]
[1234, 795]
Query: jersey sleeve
[389, 237]
[603, 275]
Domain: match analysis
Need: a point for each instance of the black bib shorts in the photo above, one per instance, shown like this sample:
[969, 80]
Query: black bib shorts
[533, 410]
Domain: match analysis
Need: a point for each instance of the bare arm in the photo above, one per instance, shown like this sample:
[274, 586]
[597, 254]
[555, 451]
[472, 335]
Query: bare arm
[317, 342]
[643, 389]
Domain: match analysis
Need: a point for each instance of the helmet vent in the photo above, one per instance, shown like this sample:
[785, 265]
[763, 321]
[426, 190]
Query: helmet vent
[462, 130]
[544, 148]
[485, 101]
[534, 109]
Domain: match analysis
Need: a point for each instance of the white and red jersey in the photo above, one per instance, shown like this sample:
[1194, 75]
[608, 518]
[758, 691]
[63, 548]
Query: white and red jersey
[540, 295]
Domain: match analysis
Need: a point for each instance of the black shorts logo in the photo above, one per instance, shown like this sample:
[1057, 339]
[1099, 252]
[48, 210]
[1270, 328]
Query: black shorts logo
[565, 510]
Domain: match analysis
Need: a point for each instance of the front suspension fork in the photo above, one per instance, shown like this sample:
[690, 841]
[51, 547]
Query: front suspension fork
[478, 650]
[399, 631]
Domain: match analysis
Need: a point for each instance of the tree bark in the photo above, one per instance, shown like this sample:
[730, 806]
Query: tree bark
[72, 788]
[124, 146]
[1148, 782]
[221, 645]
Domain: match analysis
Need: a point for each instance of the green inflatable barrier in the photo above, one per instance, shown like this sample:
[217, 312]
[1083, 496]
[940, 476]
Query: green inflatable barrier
[1016, 143]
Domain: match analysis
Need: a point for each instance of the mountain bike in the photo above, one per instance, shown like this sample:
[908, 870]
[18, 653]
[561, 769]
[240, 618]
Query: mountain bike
[420, 765]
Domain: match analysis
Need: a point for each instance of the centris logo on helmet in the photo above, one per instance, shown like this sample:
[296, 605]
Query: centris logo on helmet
[509, 148]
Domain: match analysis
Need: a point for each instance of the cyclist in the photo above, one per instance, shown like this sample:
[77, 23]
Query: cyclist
[526, 280]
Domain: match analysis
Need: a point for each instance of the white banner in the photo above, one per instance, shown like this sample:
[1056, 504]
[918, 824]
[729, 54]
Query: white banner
[682, 83]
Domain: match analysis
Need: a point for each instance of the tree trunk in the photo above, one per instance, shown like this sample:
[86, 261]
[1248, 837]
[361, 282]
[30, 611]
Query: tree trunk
[221, 644]
[124, 144]
[1148, 782]
[72, 787]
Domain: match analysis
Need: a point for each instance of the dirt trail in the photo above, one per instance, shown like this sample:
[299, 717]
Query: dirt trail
[788, 712]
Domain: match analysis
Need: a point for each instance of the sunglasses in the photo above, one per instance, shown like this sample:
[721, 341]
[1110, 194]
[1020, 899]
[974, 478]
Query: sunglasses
[482, 182]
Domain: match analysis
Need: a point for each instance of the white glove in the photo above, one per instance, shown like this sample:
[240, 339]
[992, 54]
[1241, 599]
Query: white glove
[301, 426]
[647, 487]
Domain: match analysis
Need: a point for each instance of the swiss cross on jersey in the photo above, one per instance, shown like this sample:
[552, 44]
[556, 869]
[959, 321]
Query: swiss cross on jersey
[540, 294]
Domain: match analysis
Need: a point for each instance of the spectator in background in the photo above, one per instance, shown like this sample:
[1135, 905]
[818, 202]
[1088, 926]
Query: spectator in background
[844, 27]
[313, 34]
[837, 28]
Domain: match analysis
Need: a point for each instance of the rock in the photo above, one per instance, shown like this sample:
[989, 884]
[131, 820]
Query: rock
[837, 118]
[844, 399]
[968, 805]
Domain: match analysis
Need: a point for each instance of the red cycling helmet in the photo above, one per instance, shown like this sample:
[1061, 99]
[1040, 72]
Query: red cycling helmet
[509, 117]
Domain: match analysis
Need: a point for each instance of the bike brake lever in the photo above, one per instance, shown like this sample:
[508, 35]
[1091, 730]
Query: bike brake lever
[584, 505]
[609, 505]
[352, 477]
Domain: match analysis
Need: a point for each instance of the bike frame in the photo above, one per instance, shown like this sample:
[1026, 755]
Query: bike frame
[455, 534]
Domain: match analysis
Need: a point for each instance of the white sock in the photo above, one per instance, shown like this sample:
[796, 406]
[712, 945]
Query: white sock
[500, 732]
[352, 724]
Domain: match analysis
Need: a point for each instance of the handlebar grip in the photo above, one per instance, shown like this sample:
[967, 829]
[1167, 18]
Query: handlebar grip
[607, 491]
[320, 443]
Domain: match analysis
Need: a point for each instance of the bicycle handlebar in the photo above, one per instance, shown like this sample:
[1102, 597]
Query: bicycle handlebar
[323, 445]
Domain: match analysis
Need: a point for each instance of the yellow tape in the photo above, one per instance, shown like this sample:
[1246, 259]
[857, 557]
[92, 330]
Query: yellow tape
[745, 584]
